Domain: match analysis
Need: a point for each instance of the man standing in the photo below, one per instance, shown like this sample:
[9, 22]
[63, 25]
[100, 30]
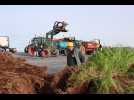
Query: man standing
[74, 55]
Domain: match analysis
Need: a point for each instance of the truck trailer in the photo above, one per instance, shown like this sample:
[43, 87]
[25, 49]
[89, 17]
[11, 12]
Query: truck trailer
[4, 45]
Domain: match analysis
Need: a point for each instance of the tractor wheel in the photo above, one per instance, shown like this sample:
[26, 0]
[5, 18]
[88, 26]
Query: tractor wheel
[55, 52]
[26, 50]
[44, 53]
[31, 52]
[63, 52]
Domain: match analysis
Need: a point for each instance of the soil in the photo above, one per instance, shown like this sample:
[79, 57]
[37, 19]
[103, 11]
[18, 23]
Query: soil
[16, 76]
[19, 77]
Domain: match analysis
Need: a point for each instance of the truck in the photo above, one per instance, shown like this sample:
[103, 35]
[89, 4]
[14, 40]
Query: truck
[4, 45]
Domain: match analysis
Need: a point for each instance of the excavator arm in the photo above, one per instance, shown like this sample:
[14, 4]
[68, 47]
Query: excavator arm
[57, 28]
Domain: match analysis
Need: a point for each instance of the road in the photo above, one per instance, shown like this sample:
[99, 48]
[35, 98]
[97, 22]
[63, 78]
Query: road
[54, 64]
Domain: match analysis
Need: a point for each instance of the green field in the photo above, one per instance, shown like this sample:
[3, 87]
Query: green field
[111, 69]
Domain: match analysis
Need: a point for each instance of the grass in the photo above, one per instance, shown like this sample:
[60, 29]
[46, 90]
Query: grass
[104, 65]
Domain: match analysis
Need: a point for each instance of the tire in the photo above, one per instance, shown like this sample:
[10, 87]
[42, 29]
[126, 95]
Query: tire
[26, 50]
[64, 52]
[55, 52]
[31, 51]
[44, 53]
[61, 52]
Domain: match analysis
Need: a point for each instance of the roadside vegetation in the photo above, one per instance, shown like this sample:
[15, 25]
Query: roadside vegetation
[111, 69]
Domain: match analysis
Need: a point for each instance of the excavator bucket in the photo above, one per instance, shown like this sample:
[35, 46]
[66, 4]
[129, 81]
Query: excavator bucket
[60, 26]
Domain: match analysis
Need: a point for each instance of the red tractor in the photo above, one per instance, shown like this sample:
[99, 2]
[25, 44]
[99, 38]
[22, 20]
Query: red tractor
[91, 46]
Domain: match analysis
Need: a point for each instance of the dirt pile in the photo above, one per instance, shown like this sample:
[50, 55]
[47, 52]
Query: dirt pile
[16, 76]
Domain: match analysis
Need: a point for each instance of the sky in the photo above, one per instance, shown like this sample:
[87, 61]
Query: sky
[112, 24]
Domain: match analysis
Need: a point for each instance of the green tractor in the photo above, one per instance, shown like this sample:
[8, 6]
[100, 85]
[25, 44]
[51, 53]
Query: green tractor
[46, 46]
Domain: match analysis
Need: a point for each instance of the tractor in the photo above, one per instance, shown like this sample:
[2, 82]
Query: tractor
[46, 46]
[91, 46]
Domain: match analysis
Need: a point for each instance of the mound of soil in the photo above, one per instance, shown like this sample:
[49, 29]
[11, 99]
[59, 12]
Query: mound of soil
[14, 83]
[16, 76]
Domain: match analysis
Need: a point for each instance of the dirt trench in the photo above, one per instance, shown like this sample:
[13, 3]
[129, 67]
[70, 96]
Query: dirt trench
[57, 83]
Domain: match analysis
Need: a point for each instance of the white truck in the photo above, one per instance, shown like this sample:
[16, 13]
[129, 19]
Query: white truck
[4, 45]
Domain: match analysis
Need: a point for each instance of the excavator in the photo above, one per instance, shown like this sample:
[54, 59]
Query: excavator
[46, 46]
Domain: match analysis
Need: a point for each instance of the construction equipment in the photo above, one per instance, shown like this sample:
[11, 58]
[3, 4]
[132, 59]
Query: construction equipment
[91, 46]
[4, 45]
[46, 46]
[63, 43]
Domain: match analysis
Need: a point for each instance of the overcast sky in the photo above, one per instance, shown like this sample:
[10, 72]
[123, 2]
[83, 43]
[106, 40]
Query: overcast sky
[112, 24]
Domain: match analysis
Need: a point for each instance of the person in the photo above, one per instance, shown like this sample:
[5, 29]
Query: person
[81, 52]
[82, 48]
[73, 55]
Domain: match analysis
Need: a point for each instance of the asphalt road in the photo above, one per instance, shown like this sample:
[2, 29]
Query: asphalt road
[54, 64]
